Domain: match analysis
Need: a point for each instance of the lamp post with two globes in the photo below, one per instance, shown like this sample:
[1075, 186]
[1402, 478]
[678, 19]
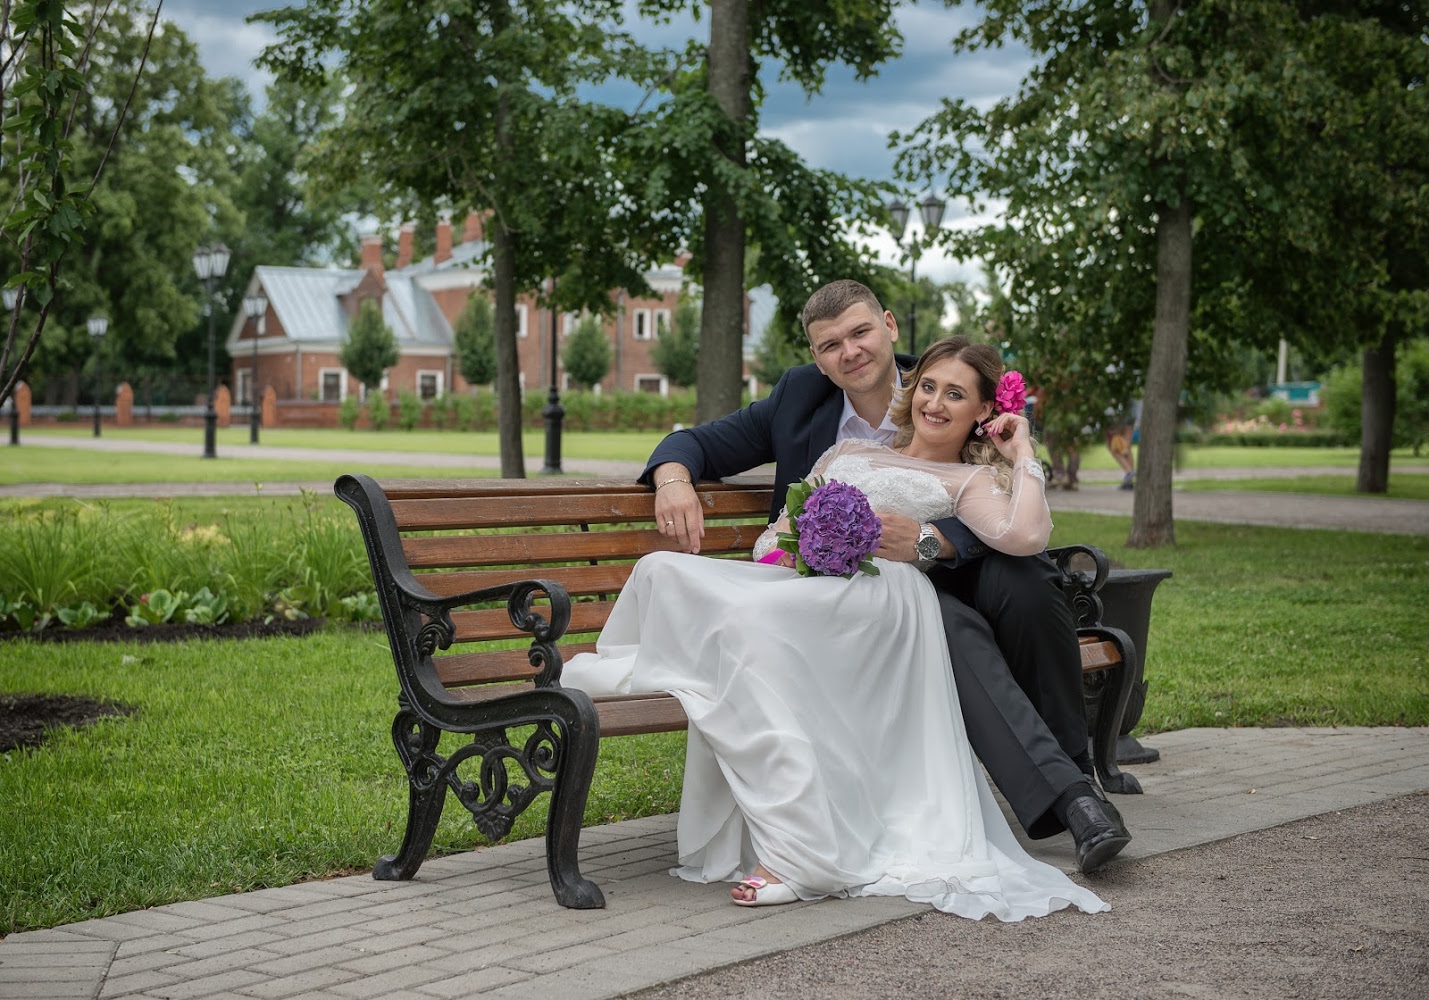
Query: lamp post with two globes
[97, 327]
[256, 308]
[209, 264]
[931, 211]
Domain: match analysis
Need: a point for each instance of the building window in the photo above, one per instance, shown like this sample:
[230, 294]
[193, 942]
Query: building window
[657, 385]
[429, 384]
[569, 322]
[332, 385]
[662, 322]
[643, 330]
[245, 387]
[521, 330]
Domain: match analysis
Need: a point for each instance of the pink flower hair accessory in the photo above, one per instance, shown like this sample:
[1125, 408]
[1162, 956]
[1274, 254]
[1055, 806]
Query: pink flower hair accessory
[1011, 394]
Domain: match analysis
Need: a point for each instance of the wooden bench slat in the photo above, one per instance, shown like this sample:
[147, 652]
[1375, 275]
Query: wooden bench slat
[460, 669]
[421, 489]
[449, 551]
[632, 716]
[574, 508]
[620, 715]
[481, 626]
[1098, 654]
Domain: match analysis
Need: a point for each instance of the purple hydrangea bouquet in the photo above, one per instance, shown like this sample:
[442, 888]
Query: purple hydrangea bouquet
[833, 530]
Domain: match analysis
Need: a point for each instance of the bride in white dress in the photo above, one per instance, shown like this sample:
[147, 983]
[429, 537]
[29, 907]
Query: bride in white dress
[826, 754]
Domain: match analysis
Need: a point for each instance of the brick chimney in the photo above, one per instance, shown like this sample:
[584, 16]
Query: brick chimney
[444, 240]
[404, 244]
[372, 256]
[473, 231]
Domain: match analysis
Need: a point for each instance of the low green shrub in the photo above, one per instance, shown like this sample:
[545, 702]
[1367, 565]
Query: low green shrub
[409, 410]
[79, 565]
[347, 413]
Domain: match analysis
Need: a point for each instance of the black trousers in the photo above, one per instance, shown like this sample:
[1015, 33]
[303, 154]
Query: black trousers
[1019, 677]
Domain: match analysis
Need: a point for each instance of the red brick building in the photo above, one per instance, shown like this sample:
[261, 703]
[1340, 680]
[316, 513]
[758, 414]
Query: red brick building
[309, 310]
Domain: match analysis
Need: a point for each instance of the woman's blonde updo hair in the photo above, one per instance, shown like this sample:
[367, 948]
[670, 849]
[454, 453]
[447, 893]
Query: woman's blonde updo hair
[983, 359]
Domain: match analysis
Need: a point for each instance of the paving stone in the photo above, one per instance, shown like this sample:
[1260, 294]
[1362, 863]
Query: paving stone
[293, 964]
[477, 981]
[299, 983]
[207, 987]
[119, 986]
[388, 983]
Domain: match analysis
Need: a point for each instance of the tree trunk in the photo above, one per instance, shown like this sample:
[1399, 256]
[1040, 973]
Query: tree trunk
[1152, 523]
[1377, 397]
[508, 378]
[719, 380]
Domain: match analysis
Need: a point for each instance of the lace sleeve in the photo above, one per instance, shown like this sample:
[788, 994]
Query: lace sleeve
[1018, 523]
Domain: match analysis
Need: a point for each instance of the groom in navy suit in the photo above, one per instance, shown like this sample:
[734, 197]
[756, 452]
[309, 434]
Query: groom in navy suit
[1011, 635]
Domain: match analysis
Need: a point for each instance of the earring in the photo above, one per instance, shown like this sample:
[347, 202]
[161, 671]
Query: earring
[980, 430]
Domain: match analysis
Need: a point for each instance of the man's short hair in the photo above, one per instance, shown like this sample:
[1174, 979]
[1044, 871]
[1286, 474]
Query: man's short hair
[830, 301]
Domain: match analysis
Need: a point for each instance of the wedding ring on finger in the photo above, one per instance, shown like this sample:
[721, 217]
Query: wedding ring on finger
[669, 524]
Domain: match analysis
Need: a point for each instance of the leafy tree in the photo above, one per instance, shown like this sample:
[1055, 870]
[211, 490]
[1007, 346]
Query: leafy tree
[724, 187]
[475, 342]
[587, 353]
[49, 61]
[783, 346]
[1344, 397]
[1141, 127]
[370, 348]
[508, 136]
[288, 219]
[676, 351]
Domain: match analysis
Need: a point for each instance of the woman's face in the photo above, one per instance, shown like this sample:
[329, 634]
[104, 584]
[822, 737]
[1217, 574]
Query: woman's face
[946, 405]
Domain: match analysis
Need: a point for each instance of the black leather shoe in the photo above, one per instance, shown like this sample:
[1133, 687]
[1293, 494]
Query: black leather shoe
[1097, 828]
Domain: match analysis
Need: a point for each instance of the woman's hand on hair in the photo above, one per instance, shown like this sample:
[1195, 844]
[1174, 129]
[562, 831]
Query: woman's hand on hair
[1012, 436]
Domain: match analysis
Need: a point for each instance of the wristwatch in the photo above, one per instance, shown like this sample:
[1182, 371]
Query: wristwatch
[928, 546]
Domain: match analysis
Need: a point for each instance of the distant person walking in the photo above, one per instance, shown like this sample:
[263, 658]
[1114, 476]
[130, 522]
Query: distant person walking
[1122, 431]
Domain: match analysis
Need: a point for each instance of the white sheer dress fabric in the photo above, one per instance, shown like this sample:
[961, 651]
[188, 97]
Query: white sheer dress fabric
[825, 737]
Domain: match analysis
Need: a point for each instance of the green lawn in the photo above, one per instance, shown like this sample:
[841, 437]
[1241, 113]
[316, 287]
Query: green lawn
[261, 762]
[635, 446]
[1402, 485]
[67, 466]
[626, 445]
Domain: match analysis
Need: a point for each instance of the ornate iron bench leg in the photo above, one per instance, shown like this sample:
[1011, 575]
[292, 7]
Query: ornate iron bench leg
[568, 801]
[416, 743]
[1110, 707]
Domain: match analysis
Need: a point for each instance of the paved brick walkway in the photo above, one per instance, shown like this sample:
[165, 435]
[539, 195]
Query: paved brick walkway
[484, 924]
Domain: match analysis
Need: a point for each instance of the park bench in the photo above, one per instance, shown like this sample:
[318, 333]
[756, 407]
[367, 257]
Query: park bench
[462, 566]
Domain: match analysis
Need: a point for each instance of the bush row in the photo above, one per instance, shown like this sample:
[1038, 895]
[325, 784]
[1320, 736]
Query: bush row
[584, 411]
[76, 567]
[1269, 439]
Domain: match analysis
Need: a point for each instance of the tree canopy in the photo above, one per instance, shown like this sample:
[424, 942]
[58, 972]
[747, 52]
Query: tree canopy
[587, 353]
[370, 348]
[1143, 131]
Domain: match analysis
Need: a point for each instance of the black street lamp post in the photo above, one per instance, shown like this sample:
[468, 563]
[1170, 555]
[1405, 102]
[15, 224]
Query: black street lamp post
[931, 211]
[256, 307]
[97, 326]
[209, 264]
[553, 411]
[12, 295]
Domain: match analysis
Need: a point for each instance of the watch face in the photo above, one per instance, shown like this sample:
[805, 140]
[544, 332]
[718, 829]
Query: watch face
[928, 547]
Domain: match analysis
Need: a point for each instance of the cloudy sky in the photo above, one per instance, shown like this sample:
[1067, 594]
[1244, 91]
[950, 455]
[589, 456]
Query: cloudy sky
[843, 128]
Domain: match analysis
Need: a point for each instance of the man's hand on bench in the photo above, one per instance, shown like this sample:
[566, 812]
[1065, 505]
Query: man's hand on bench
[677, 507]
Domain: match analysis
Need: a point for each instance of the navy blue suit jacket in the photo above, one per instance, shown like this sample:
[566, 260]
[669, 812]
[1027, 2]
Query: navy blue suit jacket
[791, 427]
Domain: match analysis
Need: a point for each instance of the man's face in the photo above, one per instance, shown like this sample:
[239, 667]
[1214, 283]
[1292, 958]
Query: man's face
[855, 349]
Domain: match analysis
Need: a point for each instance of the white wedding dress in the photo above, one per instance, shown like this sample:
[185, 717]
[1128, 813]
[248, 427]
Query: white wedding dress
[825, 738]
